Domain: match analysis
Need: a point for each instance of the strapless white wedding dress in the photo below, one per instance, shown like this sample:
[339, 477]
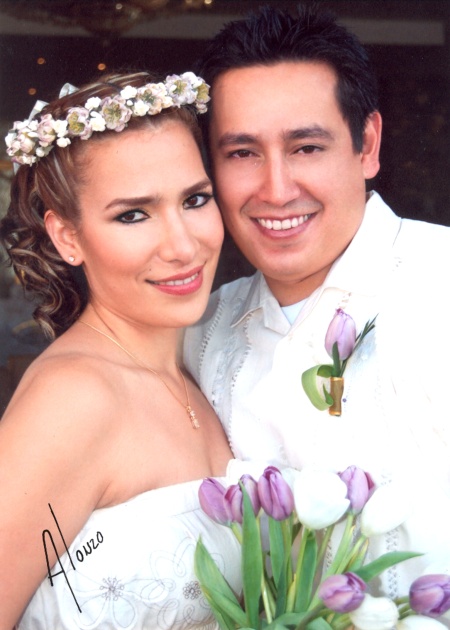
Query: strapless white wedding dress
[134, 568]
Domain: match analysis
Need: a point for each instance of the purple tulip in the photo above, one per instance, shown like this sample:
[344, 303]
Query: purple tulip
[233, 498]
[211, 496]
[360, 487]
[342, 593]
[342, 330]
[275, 494]
[430, 595]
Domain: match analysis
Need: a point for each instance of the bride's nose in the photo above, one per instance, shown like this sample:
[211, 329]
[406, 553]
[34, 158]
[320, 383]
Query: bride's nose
[177, 240]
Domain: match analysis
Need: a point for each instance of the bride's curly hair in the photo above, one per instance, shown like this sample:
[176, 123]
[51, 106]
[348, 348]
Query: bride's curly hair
[52, 183]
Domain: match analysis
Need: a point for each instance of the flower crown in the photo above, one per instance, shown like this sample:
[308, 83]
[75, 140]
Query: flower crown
[30, 140]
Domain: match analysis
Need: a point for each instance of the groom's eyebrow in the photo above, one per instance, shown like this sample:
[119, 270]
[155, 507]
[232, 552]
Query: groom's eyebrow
[300, 133]
[236, 138]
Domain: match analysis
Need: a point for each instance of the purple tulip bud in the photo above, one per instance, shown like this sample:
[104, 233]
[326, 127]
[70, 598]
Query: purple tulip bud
[430, 595]
[342, 330]
[233, 498]
[211, 496]
[275, 494]
[342, 593]
[360, 487]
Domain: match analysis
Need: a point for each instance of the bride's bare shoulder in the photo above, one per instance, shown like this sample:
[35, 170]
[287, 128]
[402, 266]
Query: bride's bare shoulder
[66, 379]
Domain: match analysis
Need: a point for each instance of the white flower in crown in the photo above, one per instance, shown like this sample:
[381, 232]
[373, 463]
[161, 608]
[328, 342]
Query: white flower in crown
[128, 92]
[26, 126]
[140, 108]
[154, 95]
[46, 132]
[79, 123]
[98, 123]
[192, 78]
[26, 142]
[115, 112]
[10, 139]
[43, 151]
[29, 159]
[63, 142]
[93, 102]
[180, 89]
[30, 140]
[60, 127]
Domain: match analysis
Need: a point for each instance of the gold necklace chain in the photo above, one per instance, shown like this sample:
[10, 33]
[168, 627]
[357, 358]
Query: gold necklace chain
[190, 412]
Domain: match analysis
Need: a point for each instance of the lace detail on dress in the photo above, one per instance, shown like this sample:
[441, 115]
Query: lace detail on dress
[142, 575]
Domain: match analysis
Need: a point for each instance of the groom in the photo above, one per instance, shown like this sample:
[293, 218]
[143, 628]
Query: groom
[294, 135]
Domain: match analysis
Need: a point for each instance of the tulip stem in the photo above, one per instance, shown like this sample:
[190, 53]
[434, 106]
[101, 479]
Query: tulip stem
[301, 554]
[324, 544]
[337, 369]
[235, 528]
[403, 606]
[318, 611]
[266, 601]
[359, 553]
[340, 560]
[342, 623]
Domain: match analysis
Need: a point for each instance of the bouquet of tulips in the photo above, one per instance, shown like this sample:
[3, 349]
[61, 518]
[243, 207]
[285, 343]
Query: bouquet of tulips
[284, 523]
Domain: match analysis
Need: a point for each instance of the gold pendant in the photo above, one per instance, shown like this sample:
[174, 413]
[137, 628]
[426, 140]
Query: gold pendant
[336, 392]
[193, 417]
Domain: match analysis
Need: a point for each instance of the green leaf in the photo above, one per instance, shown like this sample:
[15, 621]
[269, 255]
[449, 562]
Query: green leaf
[309, 382]
[328, 398]
[216, 589]
[277, 550]
[319, 624]
[280, 538]
[228, 615]
[252, 562]
[369, 571]
[307, 572]
[288, 619]
[336, 360]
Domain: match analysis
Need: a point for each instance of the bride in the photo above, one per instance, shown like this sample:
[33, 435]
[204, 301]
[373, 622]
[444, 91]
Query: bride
[113, 225]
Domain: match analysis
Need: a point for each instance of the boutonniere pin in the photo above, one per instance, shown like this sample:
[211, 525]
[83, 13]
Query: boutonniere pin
[341, 341]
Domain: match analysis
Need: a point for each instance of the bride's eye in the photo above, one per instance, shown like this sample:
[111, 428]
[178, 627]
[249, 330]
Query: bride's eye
[132, 216]
[197, 200]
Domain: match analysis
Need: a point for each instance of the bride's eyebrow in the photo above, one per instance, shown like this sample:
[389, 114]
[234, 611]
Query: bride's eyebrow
[132, 202]
[197, 187]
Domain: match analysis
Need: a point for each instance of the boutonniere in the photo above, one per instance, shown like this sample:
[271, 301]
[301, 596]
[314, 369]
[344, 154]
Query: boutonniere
[341, 341]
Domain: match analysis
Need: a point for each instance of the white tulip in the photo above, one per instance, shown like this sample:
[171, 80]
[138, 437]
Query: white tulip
[387, 508]
[320, 498]
[419, 622]
[375, 613]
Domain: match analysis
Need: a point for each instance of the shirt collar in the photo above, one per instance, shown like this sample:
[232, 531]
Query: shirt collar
[260, 296]
[362, 267]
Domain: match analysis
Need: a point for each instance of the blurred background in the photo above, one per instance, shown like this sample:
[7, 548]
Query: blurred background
[45, 43]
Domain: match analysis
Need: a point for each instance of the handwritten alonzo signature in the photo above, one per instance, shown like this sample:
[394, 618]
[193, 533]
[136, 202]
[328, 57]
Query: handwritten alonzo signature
[81, 555]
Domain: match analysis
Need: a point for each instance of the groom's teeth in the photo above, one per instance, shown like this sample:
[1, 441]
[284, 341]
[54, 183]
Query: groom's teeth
[286, 224]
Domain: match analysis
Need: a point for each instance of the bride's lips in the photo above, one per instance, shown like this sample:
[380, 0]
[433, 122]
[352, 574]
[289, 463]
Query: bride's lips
[181, 284]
